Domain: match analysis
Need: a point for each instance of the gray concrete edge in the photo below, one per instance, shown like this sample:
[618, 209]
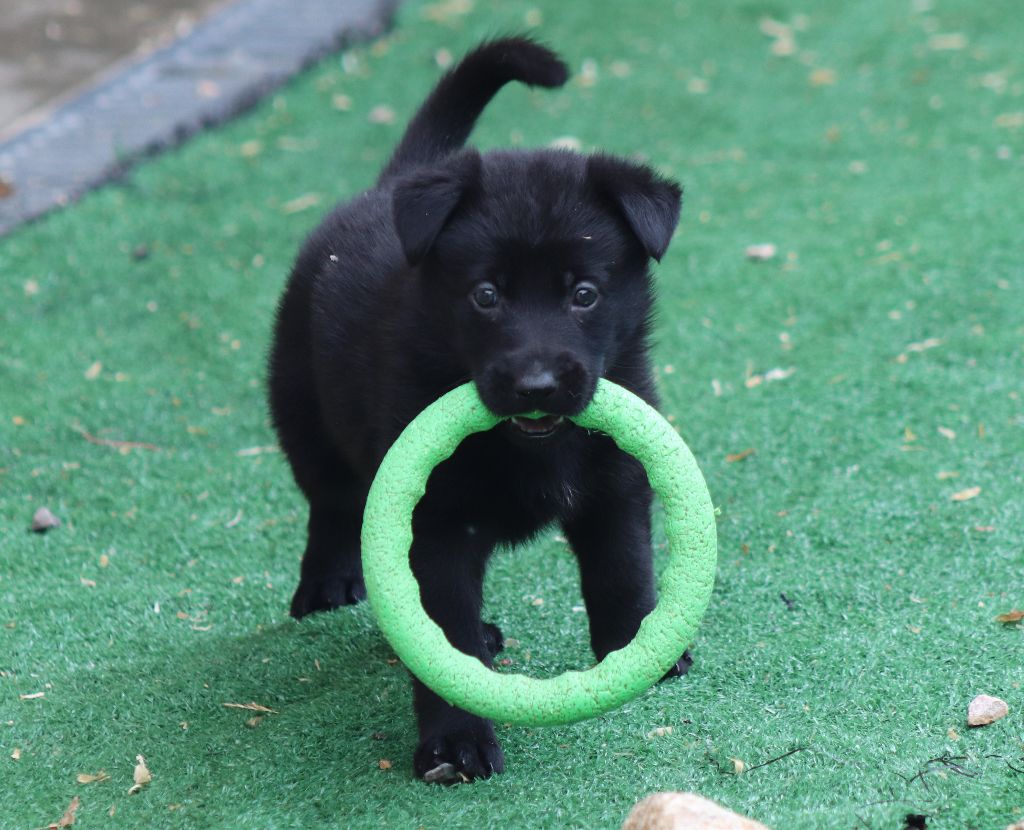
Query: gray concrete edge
[223, 67]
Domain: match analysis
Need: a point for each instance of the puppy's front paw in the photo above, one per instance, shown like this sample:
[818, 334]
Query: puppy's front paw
[681, 667]
[462, 755]
[326, 594]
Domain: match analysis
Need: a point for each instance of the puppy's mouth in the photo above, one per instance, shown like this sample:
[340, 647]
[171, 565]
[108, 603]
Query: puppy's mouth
[542, 427]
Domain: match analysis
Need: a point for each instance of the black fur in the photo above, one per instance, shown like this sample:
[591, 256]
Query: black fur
[525, 272]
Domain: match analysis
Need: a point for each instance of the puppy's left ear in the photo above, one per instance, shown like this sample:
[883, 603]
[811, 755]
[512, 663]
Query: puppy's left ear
[648, 203]
[423, 203]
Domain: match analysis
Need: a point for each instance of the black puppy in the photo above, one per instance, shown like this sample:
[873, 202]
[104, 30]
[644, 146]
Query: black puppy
[525, 272]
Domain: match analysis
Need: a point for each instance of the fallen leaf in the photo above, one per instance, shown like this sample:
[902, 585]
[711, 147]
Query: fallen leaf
[660, 732]
[946, 432]
[738, 766]
[300, 203]
[924, 345]
[1011, 616]
[779, 374]
[142, 775]
[16, 755]
[88, 583]
[252, 707]
[93, 371]
[952, 734]
[955, 40]
[942, 475]
[1010, 120]
[92, 778]
[823, 77]
[732, 458]
[382, 114]
[966, 495]
[254, 721]
[256, 451]
[68, 818]
[33, 696]
[985, 528]
[384, 763]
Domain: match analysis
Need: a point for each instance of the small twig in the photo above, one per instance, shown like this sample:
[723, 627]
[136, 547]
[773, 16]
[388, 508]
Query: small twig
[789, 603]
[106, 442]
[773, 760]
[863, 822]
[948, 762]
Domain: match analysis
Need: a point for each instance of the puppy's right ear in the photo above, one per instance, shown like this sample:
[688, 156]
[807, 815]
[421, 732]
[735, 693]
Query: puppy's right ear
[423, 202]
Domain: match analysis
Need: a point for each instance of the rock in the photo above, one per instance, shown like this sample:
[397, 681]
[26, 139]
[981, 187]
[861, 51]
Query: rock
[685, 811]
[44, 520]
[761, 253]
[985, 709]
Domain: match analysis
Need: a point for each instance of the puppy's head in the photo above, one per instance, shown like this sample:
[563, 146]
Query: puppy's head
[535, 266]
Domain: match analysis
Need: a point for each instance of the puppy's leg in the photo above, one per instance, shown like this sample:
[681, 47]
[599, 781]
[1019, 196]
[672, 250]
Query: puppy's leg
[331, 573]
[450, 573]
[611, 537]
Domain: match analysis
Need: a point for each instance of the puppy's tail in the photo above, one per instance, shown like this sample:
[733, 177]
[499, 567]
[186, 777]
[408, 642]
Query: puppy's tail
[446, 118]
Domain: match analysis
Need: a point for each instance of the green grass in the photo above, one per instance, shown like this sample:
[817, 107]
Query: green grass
[892, 188]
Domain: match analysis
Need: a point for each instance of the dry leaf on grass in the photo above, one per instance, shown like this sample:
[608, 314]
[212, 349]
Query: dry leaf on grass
[92, 778]
[732, 458]
[1009, 617]
[16, 755]
[68, 818]
[384, 763]
[301, 203]
[252, 707]
[382, 114]
[142, 775]
[966, 495]
[33, 696]
[823, 77]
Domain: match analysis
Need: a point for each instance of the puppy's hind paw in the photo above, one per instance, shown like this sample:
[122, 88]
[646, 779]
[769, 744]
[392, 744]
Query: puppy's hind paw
[494, 640]
[326, 595]
[681, 667]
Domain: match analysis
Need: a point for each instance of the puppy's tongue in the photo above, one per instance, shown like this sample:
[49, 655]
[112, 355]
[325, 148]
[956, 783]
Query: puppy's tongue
[537, 426]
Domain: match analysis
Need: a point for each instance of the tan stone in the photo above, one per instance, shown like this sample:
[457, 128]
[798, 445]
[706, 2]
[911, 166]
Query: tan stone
[685, 811]
[985, 709]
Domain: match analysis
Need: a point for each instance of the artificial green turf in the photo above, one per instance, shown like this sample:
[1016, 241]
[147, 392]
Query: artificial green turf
[891, 186]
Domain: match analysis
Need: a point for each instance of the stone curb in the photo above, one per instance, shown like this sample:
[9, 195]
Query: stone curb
[224, 66]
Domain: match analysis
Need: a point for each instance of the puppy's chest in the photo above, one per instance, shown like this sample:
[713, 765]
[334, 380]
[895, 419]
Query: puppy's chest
[511, 493]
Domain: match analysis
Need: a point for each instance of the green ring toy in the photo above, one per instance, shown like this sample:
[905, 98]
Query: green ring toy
[685, 586]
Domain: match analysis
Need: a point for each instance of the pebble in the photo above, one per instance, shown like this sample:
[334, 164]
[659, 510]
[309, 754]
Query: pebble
[44, 520]
[984, 710]
[685, 811]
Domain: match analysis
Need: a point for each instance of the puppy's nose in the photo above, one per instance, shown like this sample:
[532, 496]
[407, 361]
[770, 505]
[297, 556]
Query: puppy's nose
[535, 385]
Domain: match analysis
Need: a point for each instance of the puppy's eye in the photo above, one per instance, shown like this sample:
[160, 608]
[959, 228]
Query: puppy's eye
[485, 295]
[585, 295]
